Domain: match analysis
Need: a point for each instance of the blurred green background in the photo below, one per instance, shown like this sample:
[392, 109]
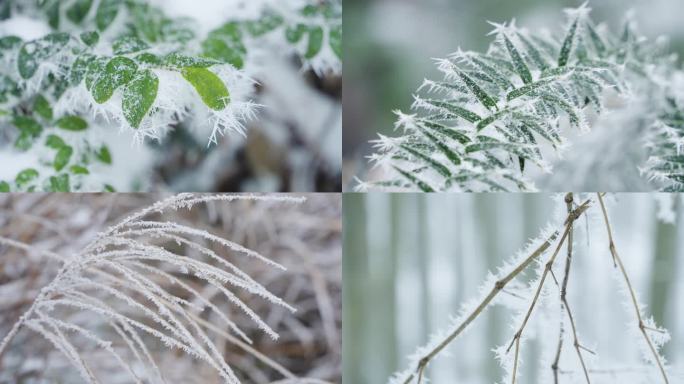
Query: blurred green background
[411, 260]
[389, 46]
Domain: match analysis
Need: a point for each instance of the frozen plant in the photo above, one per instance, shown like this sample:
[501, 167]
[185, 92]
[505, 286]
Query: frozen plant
[125, 65]
[500, 120]
[546, 297]
[140, 292]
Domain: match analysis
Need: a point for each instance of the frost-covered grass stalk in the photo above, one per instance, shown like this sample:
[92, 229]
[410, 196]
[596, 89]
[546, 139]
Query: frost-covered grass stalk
[501, 119]
[139, 290]
[560, 232]
[125, 65]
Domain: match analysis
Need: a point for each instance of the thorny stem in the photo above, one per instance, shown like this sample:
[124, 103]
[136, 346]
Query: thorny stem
[498, 287]
[564, 304]
[618, 262]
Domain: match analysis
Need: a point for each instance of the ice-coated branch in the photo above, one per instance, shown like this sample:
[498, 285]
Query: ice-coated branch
[618, 263]
[417, 370]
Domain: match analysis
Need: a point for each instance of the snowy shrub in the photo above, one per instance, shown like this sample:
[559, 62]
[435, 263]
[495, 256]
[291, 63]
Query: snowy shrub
[544, 312]
[115, 65]
[145, 286]
[502, 119]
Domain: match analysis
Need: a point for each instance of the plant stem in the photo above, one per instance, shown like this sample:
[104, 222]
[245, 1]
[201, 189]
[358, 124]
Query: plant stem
[618, 262]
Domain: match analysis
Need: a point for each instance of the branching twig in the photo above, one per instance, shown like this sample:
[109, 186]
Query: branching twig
[618, 262]
[498, 287]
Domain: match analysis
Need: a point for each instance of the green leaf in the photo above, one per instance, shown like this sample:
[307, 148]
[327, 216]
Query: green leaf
[128, 44]
[446, 131]
[229, 52]
[95, 69]
[269, 21]
[315, 42]
[567, 44]
[454, 109]
[42, 107]
[54, 142]
[425, 187]
[28, 125]
[79, 170]
[138, 97]
[78, 10]
[518, 62]
[295, 33]
[52, 12]
[9, 42]
[179, 60]
[90, 38]
[335, 40]
[25, 177]
[209, 86]
[109, 188]
[528, 88]
[72, 123]
[480, 94]
[106, 13]
[60, 183]
[436, 165]
[103, 155]
[118, 71]
[79, 68]
[448, 152]
[148, 58]
[599, 45]
[34, 52]
[4, 186]
[534, 53]
[62, 157]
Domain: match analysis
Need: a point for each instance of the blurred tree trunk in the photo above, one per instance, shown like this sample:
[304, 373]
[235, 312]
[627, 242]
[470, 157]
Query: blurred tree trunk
[664, 267]
[486, 211]
[354, 264]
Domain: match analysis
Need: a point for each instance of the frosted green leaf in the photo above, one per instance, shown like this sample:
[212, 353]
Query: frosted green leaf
[95, 68]
[423, 186]
[62, 157]
[54, 142]
[480, 94]
[60, 183]
[436, 165]
[79, 68]
[90, 38]
[335, 37]
[128, 44]
[295, 33]
[226, 51]
[118, 71]
[34, 52]
[266, 23]
[315, 42]
[72, 123]
[455, 109]
[78, 10]
[179, 60]
[138, 97]
[104, 155]
[520, 66]
[448, 152]
[106, 12]
[596, 40]
[495, 74]
[4, 186]
[526, 89]
[534, 53]
[52, 12]
[446, 131]
[491, 118]
[209, 86]
[42, 107]
[25, 177]
[148, 58]
[567, 44]
[9, 42]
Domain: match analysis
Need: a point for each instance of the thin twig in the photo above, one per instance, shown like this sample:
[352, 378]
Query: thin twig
[618, 262]
[498, 287]
[566, 306]
[572, 216]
